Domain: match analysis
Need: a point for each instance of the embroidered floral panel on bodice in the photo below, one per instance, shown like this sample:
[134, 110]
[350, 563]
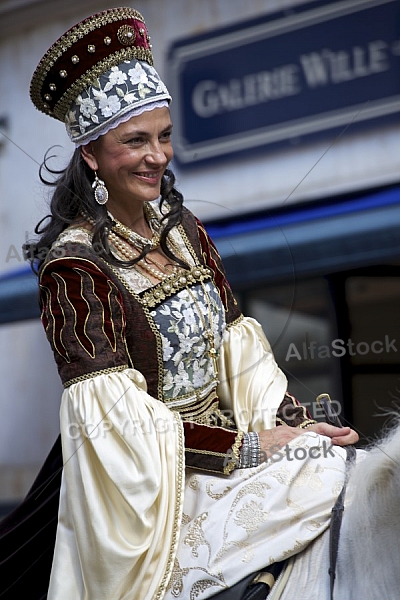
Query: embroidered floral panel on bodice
[184, 325]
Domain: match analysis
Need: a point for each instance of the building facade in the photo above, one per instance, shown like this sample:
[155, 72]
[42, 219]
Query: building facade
[287, 147]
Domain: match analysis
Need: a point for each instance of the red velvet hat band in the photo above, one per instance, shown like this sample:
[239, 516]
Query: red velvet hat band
[84, 53]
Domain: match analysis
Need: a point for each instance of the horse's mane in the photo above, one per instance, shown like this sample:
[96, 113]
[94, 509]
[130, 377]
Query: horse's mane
[369, 552]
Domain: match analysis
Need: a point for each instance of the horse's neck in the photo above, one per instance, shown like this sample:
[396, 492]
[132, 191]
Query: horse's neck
[369, 547]
[369, 551]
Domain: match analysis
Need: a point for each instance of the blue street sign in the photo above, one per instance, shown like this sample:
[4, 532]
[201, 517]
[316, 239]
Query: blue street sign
[285, 77]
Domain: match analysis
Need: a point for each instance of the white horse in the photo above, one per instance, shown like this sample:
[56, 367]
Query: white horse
[368, 563]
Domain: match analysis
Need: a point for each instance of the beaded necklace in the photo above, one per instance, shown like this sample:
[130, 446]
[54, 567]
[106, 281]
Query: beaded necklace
[135, 238]
[130, 252]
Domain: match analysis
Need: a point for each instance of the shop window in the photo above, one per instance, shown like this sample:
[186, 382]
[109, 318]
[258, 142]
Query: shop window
[299, 321]
[372, 366]
[338, 335]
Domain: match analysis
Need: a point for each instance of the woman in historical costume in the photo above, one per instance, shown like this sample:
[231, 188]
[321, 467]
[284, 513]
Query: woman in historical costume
[186, 464]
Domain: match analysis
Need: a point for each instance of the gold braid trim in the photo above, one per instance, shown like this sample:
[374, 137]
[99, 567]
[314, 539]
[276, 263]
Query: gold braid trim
[62, 106]
[307, 423]
[160, 359]
[209, 452]
[203, 469]
[153, 327]
[236, 453]
[200, 413]
[188, 244]
[199, 395]
[173, 284]
[178, 512]
[235, 322]
[94, 374]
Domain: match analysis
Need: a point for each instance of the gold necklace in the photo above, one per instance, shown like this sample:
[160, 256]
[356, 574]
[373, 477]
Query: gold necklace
[135, 238]
[141, 243]
[167, 266]
[130, 253]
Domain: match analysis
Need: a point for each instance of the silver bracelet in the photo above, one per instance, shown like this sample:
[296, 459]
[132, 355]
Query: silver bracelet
[250, 452]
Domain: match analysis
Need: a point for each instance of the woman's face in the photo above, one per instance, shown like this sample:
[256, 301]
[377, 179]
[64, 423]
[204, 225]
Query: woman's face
[131, 159]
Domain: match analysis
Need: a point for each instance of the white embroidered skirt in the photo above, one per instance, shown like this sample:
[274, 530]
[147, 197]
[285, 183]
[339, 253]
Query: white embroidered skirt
[235, 525]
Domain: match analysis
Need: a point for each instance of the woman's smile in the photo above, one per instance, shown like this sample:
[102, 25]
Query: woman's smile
[151, 177]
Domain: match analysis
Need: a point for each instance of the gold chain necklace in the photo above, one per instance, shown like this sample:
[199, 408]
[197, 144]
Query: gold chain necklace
[144, 263]
[141, 243]
[135, 238]
[130, 253]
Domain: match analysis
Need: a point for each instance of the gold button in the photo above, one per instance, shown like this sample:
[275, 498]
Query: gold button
[126, 35]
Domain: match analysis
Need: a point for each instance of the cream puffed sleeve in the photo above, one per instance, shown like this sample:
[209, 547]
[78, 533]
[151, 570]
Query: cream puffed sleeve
[121, 493]
[251, 384]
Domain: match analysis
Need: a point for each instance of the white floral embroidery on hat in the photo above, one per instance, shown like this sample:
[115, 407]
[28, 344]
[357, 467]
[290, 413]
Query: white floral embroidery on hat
[137, 74]
[123, 88]
[116, 76]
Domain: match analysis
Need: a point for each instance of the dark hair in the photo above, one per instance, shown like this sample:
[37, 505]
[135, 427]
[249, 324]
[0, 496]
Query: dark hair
[73, 194]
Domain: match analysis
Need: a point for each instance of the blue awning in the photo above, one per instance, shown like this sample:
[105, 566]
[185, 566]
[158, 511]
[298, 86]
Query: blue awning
[19, 295]
[317, 239]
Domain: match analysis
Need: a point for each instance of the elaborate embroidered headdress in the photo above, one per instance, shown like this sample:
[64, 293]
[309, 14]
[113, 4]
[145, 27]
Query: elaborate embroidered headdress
[98, 74]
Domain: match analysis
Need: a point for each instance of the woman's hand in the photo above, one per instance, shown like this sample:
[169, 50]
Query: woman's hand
[273, 440]
[340, 436]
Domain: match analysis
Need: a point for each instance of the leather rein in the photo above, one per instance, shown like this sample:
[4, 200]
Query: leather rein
[338, 508]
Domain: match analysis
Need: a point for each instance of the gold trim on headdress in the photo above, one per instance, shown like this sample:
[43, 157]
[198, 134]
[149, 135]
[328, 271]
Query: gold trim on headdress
[83, 53]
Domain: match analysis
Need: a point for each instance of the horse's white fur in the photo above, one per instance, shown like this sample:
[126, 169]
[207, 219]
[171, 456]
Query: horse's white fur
[369, 552]
[368, 565]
